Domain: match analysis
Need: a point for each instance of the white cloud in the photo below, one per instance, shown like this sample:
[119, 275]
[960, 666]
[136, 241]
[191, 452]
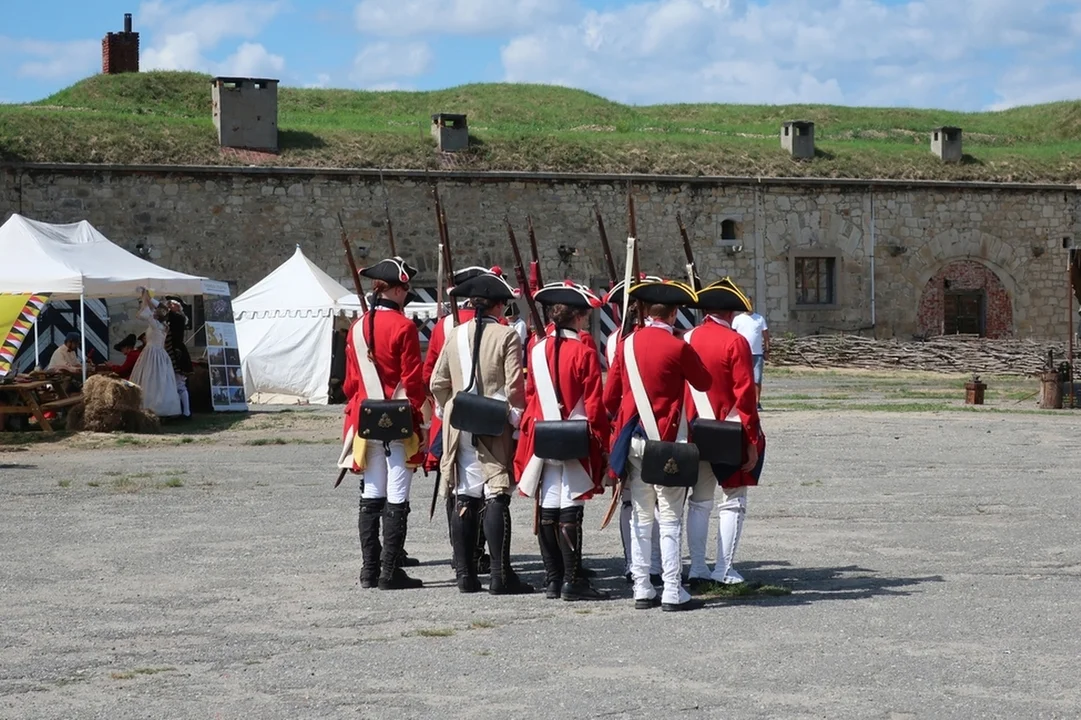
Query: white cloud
[45, 60]
[378, 63]
[792, 51]
[182, 37]
[252, 60]
[398, 18]
[322, 80]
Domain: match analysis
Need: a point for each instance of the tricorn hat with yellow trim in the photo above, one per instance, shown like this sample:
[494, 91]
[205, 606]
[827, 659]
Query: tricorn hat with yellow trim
[723, 296]
[666, 292]
[615, 295]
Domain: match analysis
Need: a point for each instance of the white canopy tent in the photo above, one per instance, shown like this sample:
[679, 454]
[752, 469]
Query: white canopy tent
[284, 327]
[74, 262]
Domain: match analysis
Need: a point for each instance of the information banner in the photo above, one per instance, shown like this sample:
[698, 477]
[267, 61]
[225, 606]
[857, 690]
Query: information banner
[222, 353]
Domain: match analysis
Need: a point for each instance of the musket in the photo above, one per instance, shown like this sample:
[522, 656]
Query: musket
[439, 318]
[536, 281]
[360, 296]
[386, 211]
[519, 273]
[608, 262]
[688, 252]
[617, 490]
[636, 271]
[538, 328]
[444, 241]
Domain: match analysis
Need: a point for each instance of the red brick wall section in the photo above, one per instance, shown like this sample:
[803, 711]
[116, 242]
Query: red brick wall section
[120, 53]
[966, 275]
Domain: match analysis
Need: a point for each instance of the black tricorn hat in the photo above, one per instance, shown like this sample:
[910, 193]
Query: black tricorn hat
[615, 295]
[666, 292]
[473, 270]
[393, 271]
[723, 295]
[128, 341]
[487, 286]
[567, 293]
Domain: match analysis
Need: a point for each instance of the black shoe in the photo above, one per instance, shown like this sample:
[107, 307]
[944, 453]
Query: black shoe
[369, 581]
[582, 590]
[680, 607]
[553, 590]
[629, 578]
[656, 580]
[406, 561]
[511, 585]
[467, 584]
[398, 580]
[647, 604]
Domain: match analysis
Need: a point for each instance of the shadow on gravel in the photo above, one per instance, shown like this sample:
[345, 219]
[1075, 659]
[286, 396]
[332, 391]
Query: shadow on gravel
[818, 584]
[16, 466]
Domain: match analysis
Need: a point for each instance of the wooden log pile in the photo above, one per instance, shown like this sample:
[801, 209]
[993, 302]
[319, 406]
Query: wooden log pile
[947, 354]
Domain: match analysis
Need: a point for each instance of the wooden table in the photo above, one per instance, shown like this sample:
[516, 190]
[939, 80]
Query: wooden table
[28, 398]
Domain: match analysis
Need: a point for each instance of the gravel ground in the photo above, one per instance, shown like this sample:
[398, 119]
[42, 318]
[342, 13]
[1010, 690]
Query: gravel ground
[934, 563]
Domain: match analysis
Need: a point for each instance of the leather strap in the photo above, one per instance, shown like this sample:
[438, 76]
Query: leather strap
[641, 399]
[369, 373]
[701, 400]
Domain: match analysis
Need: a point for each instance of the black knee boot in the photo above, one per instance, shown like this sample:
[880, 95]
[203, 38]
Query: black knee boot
[497, 528]
[464, 527]
[484, 561]
[404, 560]
[392, 577]
[550, 552]
[450, 507]
[575, 585]
[368, 522]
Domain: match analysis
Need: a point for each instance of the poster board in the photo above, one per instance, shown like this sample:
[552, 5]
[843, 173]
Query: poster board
[222, 352]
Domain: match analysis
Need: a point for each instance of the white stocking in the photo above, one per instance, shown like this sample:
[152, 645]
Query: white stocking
[730, 515]
[656, 567]
[182, 391]
[625, 531]
[697, 532]
[673, 594]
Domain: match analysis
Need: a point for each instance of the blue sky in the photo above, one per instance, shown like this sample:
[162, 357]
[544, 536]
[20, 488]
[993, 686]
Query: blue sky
[957, 54]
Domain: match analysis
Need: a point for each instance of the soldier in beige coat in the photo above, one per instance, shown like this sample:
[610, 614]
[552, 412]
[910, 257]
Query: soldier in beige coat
[482, 358]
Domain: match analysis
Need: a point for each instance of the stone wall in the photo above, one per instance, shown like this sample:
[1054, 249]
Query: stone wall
[239, 224]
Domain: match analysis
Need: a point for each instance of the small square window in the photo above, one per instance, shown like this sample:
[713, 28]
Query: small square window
[815, 280]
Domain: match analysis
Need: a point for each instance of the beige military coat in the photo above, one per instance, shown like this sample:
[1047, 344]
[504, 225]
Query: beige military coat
[500, 372]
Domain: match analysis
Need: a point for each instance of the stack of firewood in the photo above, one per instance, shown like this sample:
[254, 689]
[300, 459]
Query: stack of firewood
[948, 353]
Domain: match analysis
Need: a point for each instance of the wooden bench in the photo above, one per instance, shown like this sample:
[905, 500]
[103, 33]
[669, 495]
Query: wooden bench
[28, 395]
[63, 402]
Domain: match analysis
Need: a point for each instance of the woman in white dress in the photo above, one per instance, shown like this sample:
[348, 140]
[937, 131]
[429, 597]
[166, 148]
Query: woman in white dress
[153, 372]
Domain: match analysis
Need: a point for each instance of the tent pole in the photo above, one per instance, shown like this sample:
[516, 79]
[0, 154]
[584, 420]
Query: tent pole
[37, 352]
[82, 330]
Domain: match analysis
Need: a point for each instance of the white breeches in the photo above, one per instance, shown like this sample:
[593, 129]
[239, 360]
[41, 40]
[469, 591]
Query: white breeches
[556, 487]
[386, 477]
[182, 391]
[471, 480]
[731, 509]
[663, 507]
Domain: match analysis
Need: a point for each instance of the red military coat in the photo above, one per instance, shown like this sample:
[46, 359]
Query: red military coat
[666, 364]
[396, 357]
[579, 379]
[727, 356]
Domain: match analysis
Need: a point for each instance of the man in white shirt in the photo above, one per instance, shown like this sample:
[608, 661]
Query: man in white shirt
[752, 326]
[66, 357]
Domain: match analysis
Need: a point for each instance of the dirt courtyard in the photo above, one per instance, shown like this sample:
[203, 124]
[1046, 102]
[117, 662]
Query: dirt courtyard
[933, 557]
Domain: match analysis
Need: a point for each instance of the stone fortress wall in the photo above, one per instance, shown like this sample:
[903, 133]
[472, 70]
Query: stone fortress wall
[882, 258]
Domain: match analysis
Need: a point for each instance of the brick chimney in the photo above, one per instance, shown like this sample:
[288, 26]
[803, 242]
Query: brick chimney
[120, 51]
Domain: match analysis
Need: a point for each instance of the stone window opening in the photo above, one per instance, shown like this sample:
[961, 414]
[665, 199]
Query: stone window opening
[728, 230]
[815, 280]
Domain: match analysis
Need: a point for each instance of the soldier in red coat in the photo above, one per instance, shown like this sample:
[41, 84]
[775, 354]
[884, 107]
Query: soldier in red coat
[564, 394]
[382, 362]
[614, 297]
[732, 395]
[646, 387]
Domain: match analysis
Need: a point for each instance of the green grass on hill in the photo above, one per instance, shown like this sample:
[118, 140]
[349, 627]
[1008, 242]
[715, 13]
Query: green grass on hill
[165, 117]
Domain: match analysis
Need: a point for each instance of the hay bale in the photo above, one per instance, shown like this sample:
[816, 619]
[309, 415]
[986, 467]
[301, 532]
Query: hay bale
[76, 418]
[111, 392]
[103, 420]
[143, 422]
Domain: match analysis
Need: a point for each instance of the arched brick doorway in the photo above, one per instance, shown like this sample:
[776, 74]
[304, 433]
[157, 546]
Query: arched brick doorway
[965, 297]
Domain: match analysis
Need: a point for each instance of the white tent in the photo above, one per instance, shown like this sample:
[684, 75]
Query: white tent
[284, 327]
[75, 262]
